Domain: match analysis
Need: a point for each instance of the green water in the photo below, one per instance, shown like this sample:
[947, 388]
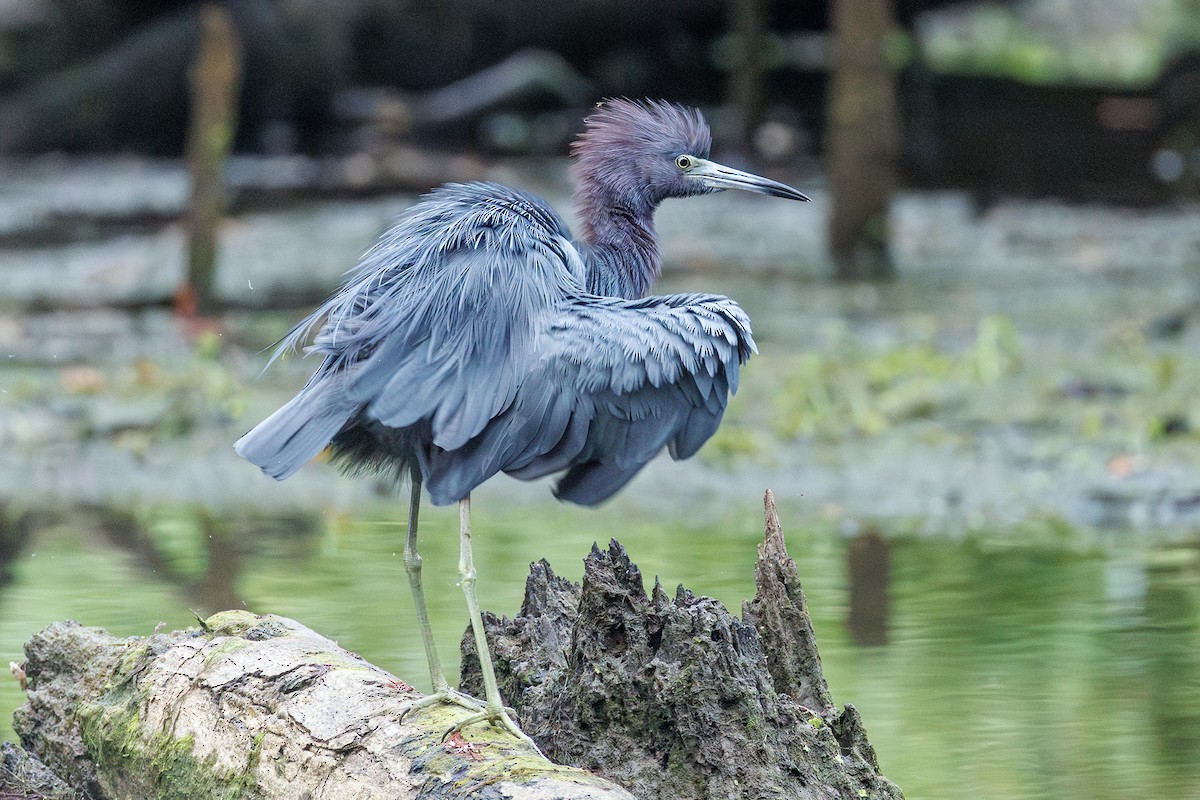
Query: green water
[1009, 672]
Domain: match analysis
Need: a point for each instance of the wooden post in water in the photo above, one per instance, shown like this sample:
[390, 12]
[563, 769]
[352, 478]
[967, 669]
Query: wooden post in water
[861, 138]
[747, 23]
[215, 79]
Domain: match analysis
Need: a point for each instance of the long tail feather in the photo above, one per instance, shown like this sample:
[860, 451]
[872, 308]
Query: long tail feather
[288, 439]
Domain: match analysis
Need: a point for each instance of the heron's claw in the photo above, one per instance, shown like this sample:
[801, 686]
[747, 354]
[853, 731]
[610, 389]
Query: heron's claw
[501, 718]
[448, 696]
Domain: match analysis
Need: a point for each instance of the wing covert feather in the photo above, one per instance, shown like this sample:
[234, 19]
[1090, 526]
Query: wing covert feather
[611, 383]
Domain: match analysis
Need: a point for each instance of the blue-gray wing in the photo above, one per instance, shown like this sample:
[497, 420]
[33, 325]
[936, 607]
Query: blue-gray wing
[609, 384]
[433, 331]
[484, 233]
[466, 343]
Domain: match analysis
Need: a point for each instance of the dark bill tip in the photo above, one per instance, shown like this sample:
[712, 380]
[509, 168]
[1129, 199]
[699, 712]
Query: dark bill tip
[718, 176]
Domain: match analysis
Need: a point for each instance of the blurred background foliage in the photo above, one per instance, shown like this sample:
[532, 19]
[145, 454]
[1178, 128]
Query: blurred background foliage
[1089, 43]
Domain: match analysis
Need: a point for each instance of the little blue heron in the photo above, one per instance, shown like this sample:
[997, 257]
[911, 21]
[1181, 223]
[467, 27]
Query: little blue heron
[478, 337]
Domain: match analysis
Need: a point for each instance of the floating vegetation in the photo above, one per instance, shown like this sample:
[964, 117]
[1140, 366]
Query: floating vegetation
[851, 387]
[1131, 393]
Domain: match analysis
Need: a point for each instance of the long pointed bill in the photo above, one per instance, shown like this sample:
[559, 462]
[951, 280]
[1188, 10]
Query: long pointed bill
[718, 176]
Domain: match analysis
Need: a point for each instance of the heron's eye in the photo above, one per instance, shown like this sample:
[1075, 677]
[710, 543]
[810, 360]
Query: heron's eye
[684, 162]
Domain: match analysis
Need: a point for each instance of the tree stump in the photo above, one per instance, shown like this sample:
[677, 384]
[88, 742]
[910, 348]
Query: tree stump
[675, 697]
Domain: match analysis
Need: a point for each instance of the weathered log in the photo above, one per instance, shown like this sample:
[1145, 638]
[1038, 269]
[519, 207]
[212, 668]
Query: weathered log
[250, 706]
[676, 697]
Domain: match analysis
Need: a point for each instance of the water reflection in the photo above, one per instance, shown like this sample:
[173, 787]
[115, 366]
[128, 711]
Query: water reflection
[869, 558]
[1171, 644]
[15, 530]
[1008, 670]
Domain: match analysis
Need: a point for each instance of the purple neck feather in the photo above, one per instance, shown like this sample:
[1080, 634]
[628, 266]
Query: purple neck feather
[623, 169]
[622, 254]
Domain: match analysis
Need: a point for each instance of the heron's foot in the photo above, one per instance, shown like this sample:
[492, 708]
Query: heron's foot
[446, 696]
[498, 716]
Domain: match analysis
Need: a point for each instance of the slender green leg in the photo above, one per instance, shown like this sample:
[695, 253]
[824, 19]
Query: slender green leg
[494, 712]
[412, 565]
[442, 692]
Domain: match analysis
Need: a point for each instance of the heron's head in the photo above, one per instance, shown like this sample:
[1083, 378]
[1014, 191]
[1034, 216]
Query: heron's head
[639, 154]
